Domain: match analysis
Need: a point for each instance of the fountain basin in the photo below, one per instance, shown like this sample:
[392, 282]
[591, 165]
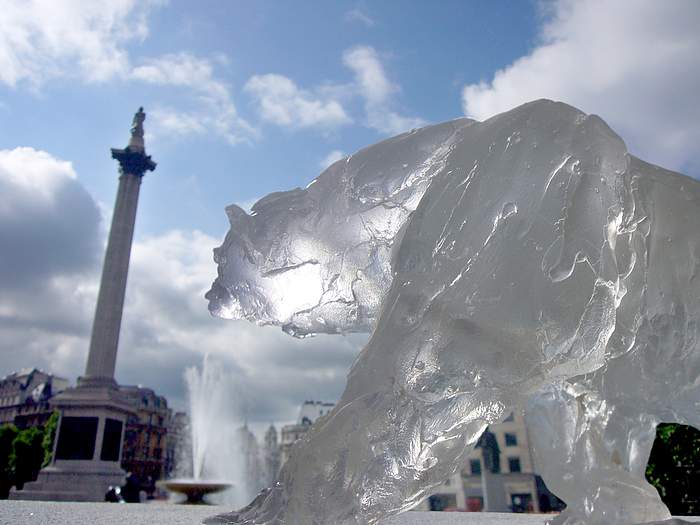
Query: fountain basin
[193, 489]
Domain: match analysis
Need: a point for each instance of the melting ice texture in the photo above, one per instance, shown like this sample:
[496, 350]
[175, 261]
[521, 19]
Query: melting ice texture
[319, 259]
[528, 262]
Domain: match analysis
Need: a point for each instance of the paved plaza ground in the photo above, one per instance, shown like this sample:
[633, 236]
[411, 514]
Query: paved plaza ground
[54, 513]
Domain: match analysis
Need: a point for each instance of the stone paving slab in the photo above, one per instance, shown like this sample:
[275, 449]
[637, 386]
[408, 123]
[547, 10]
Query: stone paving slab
[60, 513]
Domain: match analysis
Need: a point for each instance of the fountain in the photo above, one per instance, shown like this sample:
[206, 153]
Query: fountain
[216, 460]
[193, 489]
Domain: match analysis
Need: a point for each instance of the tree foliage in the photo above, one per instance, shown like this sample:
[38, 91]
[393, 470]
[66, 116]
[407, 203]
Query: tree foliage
[27, 455]
[24, 452]
[49, 436]
[674, 468]
[8, 433]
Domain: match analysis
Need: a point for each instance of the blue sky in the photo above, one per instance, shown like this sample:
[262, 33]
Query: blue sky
[248, 97]
[428, 54]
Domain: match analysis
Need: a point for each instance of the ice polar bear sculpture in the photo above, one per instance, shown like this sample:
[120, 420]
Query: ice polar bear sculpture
[526, 262]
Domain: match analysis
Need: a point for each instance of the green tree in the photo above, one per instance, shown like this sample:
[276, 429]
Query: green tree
[8, 433]
[27, 455]
[49, 436]
[674, 467]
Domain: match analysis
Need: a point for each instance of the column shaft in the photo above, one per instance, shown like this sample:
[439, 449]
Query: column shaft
[110, 301]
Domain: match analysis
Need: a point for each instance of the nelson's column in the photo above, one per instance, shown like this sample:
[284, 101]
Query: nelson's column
[88, 444]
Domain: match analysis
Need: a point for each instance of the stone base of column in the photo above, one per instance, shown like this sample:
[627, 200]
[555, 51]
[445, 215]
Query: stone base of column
[88, 447]
[67, 484]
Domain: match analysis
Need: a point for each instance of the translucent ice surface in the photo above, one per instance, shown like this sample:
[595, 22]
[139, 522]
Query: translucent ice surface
[319, 259]
[524, 263]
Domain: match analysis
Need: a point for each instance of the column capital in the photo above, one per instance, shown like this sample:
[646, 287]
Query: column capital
[133, 162]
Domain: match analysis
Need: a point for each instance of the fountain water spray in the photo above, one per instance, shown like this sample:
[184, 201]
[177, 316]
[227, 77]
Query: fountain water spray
[220, 452]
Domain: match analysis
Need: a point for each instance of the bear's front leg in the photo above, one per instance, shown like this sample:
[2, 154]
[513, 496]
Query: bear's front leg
[593, 454]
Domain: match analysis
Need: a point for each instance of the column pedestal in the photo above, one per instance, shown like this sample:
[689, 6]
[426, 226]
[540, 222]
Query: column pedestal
[88, 447]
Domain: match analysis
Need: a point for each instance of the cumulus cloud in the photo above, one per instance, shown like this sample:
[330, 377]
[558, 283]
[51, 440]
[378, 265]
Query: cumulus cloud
[378, 91]
[44, 39]
[49, 273]
[216, 112]
[48, 221]
[635, 63]
[333, 157]
[281, 102]
[51, 239]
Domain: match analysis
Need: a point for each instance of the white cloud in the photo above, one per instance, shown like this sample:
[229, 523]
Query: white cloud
[333, 157]
[357, 15]
[31, 174]
[43, 39]
[378, 91]
[51, 238]
[178, 123]
[281, 102]
[181, 69]
[48, 222]
[49, 274]
[635, 63]
[369, 72]
[215, 113]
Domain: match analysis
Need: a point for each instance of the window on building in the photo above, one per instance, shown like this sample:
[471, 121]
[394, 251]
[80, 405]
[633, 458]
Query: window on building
[475, 466]
[511, 439]
[514, 464]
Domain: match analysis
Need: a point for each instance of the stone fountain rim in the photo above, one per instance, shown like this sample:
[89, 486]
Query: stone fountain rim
[191, 483]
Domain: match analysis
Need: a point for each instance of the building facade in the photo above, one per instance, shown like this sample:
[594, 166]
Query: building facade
[25, 395]
[515, 487]
[25, 402]
[271, 456]
[252, 460]
[146, 435]
[178, 449]
[310, 411]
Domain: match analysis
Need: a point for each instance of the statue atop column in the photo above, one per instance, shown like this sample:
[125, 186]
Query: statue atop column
[133, 159]
[136, 143]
